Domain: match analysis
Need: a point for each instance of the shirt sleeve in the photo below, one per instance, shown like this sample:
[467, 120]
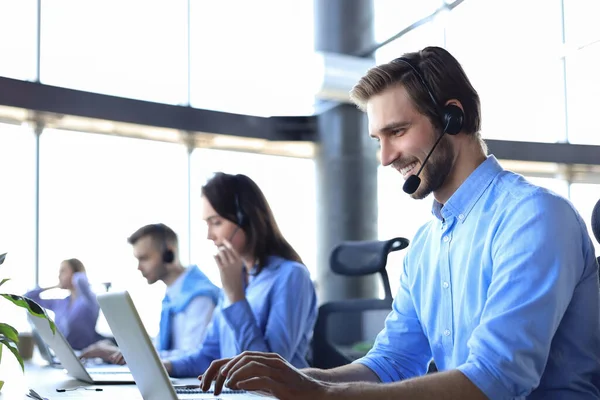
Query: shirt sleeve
[81, 284]
[292, 301]
[190, 326]
[46, 303]
[538, 259]
[194, 364]
[401, 349]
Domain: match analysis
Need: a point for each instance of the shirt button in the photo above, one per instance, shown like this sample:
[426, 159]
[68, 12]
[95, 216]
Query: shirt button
[446, 285]
[461, 217]
[446, 239]
[447, 332]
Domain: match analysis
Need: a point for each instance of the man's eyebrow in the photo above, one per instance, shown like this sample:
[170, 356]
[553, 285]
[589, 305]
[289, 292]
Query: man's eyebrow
[392, 126]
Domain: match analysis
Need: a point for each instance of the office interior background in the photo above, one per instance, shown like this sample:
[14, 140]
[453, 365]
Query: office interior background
[73, 186]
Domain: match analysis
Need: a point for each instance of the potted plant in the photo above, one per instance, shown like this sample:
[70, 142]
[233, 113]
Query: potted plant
[9, 337]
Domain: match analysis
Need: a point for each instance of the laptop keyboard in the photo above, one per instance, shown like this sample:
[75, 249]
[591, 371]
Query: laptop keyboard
[186, 390]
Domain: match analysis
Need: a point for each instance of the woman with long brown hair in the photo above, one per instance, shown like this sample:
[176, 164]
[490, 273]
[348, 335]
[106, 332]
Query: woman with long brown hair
[269, 302]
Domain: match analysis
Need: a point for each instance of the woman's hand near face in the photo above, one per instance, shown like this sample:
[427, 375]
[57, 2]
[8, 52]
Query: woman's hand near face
[230, 267]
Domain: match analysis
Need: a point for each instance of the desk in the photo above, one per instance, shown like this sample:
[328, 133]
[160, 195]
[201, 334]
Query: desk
[45, 379]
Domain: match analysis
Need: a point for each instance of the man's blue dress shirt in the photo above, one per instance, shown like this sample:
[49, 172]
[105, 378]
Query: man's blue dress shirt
[502, 285]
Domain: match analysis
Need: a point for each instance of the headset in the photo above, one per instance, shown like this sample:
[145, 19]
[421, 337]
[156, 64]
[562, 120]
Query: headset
[239, 213]
[451, 117]
[168, 256]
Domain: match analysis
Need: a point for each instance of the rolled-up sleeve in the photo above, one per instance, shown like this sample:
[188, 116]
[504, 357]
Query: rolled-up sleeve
[537, 263]
[401, 350]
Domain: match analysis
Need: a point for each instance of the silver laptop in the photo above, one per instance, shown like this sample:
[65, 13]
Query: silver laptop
[109, 374]
[144, 363]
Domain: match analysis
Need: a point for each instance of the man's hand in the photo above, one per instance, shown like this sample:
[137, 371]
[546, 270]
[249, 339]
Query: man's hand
[268, 373]
[105, 350]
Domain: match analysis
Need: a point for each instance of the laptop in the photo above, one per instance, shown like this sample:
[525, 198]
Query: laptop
[108, 374]
[144, 362]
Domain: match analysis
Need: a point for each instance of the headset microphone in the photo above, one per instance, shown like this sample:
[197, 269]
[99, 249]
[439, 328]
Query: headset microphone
[233, 234]
[412, 182]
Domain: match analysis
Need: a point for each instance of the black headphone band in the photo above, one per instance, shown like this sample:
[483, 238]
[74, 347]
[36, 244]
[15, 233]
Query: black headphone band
[239, 214]
[451, 116]
[423, 82]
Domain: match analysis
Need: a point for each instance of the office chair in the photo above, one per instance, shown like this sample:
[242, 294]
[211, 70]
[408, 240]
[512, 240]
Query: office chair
[344, 328]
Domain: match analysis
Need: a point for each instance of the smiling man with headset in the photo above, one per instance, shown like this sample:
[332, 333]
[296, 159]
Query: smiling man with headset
[499, 288]
[189, 301]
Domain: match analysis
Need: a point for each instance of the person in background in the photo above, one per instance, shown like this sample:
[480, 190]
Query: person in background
[189, 301]
[77, 314]
[269, 301]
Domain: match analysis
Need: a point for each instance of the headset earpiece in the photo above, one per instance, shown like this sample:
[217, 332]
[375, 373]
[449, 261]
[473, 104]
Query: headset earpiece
[453, 119]
[239, 214]
[168, 256]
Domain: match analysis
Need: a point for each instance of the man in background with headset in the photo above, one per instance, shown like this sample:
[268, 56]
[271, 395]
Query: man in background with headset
[189, 301]
[500, 288]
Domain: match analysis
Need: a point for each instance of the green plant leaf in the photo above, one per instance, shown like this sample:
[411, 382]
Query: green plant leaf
[2, 258]
[13, 349]
[1, 384]
[9, 332]
[3, 281]
[31, 306]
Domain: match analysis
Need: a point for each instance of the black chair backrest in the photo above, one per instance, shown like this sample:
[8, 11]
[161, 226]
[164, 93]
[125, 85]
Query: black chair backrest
[359, 258]
[344, 324]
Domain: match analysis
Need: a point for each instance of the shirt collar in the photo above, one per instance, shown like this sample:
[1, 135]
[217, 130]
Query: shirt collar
[466, 196]
[175, 288]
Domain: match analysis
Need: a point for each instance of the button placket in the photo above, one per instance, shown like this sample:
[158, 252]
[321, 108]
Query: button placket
[446, 295]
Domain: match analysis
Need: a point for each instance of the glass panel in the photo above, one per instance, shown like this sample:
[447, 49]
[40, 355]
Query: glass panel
[391, 16]
[399, 215]
[131, 48]
[18, 30]
[17, 218]
[583, 88]
[95, 191]
[584, 197]
[289, 186]
[259, 65]
[581, 21]
[513, 60]
[430, 34]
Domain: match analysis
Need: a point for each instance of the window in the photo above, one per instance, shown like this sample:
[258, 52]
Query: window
[584, 197]
[289, 186]
[96, 190]
[245, 61]
[17, 214]
[18, 43]
[134, 48]
[583, 88]
[392, 16]
[510, 52]
[429, 34]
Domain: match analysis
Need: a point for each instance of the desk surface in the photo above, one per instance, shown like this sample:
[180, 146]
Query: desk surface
[45, 380]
